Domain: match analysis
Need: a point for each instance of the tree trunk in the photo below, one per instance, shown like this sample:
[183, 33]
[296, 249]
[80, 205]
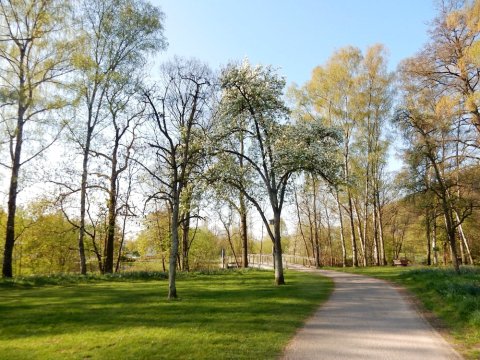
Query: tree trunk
[376, 252]
[329, 228]
[352, 231]
[112, 215]
[361, 234]
[364, 234]
[428, 235]
[279, 278]
[316, 224]
[243, 210]
[342, 233]
[451, 236]
[83, 201]
[244, 230]
[381, 241]
[172, 266]
[434, 239]
[300, 227]
[7, 269]
[464, 240]
[462, 251]
[185, 241]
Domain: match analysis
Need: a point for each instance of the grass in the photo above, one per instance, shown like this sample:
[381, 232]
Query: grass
[220, 315]
[453, 298]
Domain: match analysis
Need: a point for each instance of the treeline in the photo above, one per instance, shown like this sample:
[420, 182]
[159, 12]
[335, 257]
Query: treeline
[428, 213]
[75, 94]
[111, 151]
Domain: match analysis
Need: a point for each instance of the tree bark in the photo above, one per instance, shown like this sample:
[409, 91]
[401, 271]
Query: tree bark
[464, 240]
[329, 228]
[83, 201]
[342, 233]
[434, 238]
[279, 278]
[185, 241]
[352, 231]
[112, 214]
[7, 269]
[381, 240]
[428, 234]
[243, 211]
[172, 266]
[300, 227]
[243, 230]
[361, 234]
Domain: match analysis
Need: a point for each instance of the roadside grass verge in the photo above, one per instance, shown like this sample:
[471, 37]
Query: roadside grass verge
[453, 298]
[219, 315]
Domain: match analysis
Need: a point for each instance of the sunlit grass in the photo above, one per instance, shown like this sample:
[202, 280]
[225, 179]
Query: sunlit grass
[223, 315]
[454, 298]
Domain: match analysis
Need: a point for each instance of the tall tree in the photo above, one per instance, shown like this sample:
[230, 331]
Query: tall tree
[354, 91]
[124, 117]
[375, 99]
[427, 127]
[34, 56]
[179, 118]
[276, 149]
[116, 36]
[450, 60]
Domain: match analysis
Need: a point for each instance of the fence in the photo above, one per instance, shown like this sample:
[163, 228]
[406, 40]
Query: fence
[259, 260]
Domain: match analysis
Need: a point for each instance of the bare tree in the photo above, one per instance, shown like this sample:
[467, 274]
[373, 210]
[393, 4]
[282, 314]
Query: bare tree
[179, 115]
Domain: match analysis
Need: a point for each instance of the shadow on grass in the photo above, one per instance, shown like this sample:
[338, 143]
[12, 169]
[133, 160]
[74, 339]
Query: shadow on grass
[225, 306]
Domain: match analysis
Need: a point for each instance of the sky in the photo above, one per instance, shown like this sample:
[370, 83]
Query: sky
[292, 35]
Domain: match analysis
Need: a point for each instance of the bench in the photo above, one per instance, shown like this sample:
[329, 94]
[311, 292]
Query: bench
[400, 262]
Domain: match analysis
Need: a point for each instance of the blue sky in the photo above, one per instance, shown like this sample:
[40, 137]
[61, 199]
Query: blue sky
[293, 35]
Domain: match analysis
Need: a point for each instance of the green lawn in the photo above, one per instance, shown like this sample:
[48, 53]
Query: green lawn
[454, 298]
[222, 315]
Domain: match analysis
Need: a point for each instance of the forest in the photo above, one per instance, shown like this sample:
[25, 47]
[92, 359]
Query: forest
[108, 163]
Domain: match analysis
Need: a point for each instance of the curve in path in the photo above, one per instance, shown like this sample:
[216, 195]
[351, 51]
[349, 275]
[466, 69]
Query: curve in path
[367, 318]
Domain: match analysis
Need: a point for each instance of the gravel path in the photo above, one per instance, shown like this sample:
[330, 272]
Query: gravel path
[367, 318]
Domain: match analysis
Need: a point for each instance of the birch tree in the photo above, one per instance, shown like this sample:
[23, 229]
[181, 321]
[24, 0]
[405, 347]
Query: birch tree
[34, 54]
[116, 36]
[427, 126]
[450, 60]
[353, 91]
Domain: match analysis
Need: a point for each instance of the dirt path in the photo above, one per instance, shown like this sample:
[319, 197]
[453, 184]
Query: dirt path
[367, 318]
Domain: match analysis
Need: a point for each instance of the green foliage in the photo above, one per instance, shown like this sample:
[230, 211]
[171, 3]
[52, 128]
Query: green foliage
[205, 248]
[223, 315]
[46, 242]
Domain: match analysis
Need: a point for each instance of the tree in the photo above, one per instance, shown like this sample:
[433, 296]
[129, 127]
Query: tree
[354, 92]
[179, 118]
[46, 241]
[428, 128]
[124, 118]
[34, 55]
[116, 36]
[451, 59]
[276, 149]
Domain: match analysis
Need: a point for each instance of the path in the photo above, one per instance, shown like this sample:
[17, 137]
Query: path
[367, 318]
